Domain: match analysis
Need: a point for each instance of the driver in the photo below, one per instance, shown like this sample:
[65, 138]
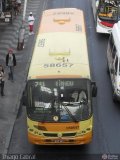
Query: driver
[82, 97]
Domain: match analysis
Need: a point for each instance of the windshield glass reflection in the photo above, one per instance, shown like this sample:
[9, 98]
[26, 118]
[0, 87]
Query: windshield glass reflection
[60, 100]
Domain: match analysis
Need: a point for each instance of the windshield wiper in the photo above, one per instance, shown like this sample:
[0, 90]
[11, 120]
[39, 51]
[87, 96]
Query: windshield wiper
[71, 115]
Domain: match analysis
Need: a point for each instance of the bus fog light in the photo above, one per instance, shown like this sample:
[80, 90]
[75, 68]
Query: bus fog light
[83, 132]
[35, 132]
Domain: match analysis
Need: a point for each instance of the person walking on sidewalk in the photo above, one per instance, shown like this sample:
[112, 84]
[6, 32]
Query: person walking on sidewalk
[10, 62]
[2, 80]
[31, 20]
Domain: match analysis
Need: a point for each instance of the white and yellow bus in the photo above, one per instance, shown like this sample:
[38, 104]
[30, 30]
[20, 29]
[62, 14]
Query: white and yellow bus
[59, 88]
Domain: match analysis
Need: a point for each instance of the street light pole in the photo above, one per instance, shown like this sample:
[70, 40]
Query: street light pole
[21, 34]
[24, 10]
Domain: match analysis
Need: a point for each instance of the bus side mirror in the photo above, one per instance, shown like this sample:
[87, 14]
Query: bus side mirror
[94, 89]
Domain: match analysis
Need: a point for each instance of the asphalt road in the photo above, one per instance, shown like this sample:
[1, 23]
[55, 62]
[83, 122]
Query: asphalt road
[106, 113]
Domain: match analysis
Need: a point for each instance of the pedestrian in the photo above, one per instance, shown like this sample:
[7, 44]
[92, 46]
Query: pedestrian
[11, 63]
[21, 37]
[31, 20]
[2, 80]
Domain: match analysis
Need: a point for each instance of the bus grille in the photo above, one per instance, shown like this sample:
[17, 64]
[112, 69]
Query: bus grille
[50, 134]
[68, 134]
[56, 135]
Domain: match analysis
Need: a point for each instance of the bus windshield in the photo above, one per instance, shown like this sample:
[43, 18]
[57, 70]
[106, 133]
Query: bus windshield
[59, 100]
[109, 11]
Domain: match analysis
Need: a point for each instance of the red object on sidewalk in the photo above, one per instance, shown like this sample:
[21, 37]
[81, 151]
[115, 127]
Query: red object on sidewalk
[31, 28]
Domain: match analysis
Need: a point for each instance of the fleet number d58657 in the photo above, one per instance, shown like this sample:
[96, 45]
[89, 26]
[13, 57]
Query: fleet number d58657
[66, 65]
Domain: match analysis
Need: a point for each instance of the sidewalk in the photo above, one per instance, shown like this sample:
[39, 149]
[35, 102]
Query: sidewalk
[9, 104]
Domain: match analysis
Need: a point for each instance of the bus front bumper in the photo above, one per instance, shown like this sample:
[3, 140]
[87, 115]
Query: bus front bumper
[77, 140]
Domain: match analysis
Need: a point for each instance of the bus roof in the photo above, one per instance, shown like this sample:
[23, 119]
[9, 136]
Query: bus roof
[58, 55]
[62, 19]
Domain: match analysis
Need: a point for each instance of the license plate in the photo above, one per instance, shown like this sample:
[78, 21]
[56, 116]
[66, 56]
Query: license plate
[7, 19]
[58, 140]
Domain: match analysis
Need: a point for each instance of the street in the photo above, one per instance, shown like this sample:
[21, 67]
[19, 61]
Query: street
[106, 113]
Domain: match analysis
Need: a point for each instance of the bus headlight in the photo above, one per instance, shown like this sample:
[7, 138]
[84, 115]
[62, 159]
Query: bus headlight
[36, 127]
[83, 132]
[30, 130]
[36, 130]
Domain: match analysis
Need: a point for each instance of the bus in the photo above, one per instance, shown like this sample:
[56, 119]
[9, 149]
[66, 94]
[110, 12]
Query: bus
[59, 89]
[106, 13]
